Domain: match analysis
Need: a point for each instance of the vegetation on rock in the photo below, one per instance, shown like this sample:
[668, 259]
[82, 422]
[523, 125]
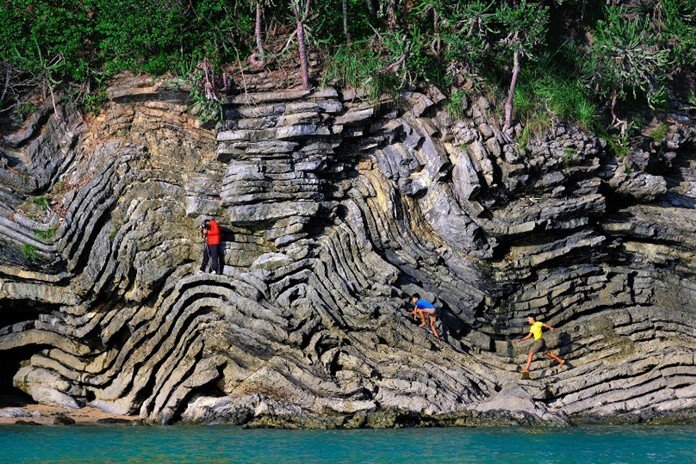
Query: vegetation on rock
[569, 59]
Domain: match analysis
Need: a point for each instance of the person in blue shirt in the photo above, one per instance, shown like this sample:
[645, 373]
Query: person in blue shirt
[424, 309]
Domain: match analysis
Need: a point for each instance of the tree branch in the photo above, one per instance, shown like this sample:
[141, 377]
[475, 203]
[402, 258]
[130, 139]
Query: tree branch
[8, 76]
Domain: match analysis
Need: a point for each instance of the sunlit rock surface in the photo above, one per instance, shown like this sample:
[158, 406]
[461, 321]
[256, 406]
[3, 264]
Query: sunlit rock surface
[335, 208]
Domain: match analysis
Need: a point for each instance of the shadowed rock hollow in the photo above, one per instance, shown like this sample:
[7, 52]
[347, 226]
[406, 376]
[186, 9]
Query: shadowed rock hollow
[335, 208]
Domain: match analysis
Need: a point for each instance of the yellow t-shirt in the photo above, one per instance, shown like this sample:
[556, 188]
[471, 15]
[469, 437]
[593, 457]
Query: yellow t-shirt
[536, 329]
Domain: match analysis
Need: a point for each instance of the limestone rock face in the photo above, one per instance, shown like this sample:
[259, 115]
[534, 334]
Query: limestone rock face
[334, 209]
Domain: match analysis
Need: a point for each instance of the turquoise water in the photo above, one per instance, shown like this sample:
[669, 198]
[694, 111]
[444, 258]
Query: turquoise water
[218, 444]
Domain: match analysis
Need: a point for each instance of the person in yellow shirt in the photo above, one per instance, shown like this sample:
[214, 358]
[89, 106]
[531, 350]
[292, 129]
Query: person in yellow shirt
[539, 344]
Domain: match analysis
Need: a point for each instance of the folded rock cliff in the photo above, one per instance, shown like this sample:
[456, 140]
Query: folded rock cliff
[335, 208]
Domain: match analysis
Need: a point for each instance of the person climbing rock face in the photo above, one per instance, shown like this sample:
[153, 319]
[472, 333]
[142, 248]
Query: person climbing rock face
[210, 231]
[424, 310]
[535, 330]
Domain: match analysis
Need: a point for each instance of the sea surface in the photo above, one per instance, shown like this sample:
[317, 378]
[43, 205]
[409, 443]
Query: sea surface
[220, 444]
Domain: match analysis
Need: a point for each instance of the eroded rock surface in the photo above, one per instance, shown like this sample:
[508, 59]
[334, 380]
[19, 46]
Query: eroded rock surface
[335, 208]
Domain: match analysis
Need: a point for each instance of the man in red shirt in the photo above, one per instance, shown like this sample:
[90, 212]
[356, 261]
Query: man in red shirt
[210, 231]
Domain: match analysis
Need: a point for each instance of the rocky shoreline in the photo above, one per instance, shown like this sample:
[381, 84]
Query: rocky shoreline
[335, 208]
[36, 414]
[40, 415]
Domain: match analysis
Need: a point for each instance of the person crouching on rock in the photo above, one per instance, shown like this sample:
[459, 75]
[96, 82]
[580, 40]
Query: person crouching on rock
[539, 345]
[424, 309]
[210, 231]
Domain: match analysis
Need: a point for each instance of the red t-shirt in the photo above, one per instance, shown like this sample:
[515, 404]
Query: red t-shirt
[213, 235]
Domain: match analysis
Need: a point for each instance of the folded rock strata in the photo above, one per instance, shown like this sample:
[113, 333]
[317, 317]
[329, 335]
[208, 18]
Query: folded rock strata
[335, 208]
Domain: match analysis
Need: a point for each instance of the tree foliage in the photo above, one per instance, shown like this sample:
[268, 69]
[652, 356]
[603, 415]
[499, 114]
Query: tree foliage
[626, 58]
[614, 55]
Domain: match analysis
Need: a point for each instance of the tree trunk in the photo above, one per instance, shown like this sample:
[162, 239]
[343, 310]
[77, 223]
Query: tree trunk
[304, 65]
[370, 7]
[258, 31]
[345, 21]
[8, 76]
[391, 14]
[436, 43]
[300, 18]
[511, 91]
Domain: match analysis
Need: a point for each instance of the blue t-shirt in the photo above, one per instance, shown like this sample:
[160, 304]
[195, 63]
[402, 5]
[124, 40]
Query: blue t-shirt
[424, 304]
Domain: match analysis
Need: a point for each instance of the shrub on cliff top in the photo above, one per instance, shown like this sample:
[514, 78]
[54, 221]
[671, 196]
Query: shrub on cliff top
[642, 53]
[94, 36]
[626, 59]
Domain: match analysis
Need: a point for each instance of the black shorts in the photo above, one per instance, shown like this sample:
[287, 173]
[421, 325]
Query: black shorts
[539, 345]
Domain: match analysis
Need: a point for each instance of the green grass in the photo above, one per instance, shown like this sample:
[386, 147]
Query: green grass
[354, 66]
[541, 99]
[29, 252]
[586, 114]
[48, 234]
[42, 202]
[534, 124]
[455, 104]
[94, 101]
[692, 99]
[659, 133]
[619, 146]
[26, 109]
[89, 103]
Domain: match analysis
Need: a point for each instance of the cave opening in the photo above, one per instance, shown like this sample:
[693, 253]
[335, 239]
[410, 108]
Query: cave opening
[12, 360]
[17, 311]
[22, 314]
[215, 388]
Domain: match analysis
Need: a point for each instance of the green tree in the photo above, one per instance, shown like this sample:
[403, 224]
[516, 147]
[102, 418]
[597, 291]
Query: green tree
[35, 33]
[147, 35]
[43, 45]
[467, 31]
[523, 26]
[676, 22]
[625, 58]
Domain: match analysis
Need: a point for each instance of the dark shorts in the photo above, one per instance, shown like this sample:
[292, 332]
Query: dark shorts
[539, 345]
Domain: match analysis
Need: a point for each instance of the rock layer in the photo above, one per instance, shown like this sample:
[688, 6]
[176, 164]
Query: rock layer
[335, 208]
